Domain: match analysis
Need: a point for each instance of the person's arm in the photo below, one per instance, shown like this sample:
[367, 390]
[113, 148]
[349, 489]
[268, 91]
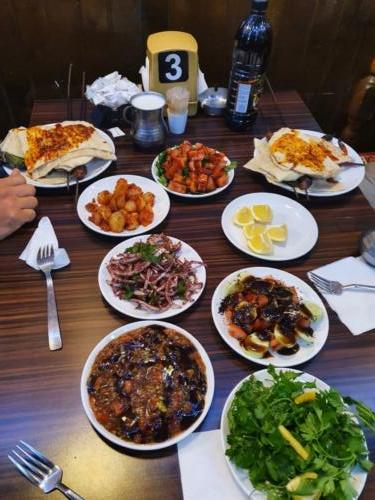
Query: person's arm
[17, 203]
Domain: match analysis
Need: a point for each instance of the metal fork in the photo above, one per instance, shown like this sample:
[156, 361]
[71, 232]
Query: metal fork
[45, 259]
[334, 287]
[39, 470]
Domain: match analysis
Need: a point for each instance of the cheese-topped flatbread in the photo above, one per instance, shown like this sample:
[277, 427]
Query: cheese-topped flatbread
[61, 146]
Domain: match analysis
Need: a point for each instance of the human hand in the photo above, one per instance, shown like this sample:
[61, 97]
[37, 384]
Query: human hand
[17, 203]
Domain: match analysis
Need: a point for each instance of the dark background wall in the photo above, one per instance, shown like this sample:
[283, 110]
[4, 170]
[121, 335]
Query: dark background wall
[321, 47]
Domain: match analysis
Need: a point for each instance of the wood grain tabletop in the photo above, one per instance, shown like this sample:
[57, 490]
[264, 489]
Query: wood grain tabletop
[40, 390]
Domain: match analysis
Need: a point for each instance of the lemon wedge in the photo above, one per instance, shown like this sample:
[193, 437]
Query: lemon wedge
[251, 230]
[261, 213]
[243, 216]
[278, 233]
[260, 243]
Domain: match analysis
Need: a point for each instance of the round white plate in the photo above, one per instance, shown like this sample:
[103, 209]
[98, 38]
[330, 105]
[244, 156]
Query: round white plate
[302, 227]
[240, 475]
[94, 168]
[127, 307]
[190, 195]
[100, 346]
[160, 208]
[305, 292]
[349, 177]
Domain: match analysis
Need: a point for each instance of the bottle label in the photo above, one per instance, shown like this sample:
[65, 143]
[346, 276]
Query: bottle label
[243, 96]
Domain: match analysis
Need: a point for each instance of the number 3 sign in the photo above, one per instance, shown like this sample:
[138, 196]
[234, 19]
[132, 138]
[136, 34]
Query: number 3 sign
[173, 61]
[173, 66]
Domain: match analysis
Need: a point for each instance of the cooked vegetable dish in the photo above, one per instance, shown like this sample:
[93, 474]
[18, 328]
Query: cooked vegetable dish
[127, 208]
[264, 314]
[148, 385]
[295, 441]
[193, 168]
[152, 275]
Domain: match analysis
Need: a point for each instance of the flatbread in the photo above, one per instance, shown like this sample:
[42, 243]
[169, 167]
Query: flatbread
[61, 146]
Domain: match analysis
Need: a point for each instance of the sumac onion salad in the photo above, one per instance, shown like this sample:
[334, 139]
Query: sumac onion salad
[265, 316]
[148, 385]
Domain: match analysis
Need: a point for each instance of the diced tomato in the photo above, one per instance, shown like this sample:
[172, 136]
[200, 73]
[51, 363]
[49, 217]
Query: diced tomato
[236, 332]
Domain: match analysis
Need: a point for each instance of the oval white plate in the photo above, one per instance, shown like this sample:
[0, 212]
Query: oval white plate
[305, 292]
[100, 346]
[349, 177]
[190, 195]
[125, 306]
[240, 475]
[302, 227]
[94, 168]
[160, 208]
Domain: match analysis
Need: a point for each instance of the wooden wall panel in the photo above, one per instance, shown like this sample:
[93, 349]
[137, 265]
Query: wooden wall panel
[321, 47]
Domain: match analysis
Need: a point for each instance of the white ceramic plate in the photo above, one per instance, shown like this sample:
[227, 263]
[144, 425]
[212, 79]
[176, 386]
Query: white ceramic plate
[302, 227]
[349, 177]
[160, 208]
[240, 475]
[130, 309]
[100, 346]
[190, 195]
[305, 293]
[94, 168]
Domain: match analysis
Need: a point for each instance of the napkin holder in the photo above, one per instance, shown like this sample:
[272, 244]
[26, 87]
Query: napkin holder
[172, 60]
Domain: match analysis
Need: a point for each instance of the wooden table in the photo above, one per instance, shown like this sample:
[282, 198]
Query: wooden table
[39, 390]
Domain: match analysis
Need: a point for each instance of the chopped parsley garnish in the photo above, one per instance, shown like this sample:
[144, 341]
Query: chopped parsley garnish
[181, 289]
[128, 292]
[146, 251]
[231, 166]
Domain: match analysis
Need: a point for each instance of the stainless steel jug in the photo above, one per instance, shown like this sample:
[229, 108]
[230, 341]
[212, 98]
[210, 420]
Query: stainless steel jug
[149, 129]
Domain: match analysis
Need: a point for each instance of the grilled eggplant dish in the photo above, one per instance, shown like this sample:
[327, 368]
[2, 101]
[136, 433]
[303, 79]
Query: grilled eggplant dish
[265, 315]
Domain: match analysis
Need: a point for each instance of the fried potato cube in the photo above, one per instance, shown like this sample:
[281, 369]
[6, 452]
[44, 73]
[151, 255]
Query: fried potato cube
[149, 198]
[117, 222]
[91, 207]
[130, 206]
[96, 218]
[104, 211]
[133, 191]
[132, 221]
[120, 200]
[112, 204]
[140, 202]
[121, 187]
[146, 216]
[104, 197]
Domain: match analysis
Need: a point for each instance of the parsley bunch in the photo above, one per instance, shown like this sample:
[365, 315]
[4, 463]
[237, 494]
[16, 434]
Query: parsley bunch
[331, 437]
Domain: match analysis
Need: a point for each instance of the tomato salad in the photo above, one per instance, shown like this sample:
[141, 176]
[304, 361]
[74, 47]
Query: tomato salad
[193, 168]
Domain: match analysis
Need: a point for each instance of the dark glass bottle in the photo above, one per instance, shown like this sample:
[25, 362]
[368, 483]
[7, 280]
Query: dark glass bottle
[251, 52]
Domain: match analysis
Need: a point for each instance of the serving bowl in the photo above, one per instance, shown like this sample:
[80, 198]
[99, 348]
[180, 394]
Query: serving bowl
[129, 444]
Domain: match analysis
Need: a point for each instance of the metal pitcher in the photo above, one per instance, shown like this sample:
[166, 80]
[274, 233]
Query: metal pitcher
[145, 115]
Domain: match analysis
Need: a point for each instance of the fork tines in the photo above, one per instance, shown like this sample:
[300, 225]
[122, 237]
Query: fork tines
[30, 462]
[320, 282]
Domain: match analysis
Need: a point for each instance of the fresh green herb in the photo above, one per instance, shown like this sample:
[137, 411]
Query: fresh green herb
[159, 164]
[146, 251]
[231, 166]
[323, 426]
[163, 180]
[365, 415]
[14, 161]
[181, 289]
[128, 292]
[185, 171]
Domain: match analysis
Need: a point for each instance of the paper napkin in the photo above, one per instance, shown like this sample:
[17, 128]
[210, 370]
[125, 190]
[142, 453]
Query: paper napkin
[204, 470]
[112, 90]
[44, 234]
[356, 309]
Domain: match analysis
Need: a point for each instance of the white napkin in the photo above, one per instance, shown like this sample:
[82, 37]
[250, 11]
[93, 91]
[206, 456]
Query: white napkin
[44, 234]
[144, 72]
[356, 309]
[111, 90]
[203, 469]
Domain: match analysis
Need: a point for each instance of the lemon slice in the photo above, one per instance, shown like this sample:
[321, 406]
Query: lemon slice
[260, 243]
[251, 230]
[243, 216]
[261, 213]
[278, 233]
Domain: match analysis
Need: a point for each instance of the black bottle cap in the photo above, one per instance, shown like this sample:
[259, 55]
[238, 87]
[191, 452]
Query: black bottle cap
[259, 5]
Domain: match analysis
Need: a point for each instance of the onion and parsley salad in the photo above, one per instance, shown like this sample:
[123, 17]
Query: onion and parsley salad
[295, 441]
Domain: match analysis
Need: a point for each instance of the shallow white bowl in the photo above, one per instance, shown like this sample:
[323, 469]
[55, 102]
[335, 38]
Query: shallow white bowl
[100, 346]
